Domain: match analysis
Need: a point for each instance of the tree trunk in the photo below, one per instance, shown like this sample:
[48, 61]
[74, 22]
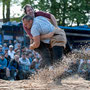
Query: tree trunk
[3, 1]
[8, 11]
[78, 22]
[64, 11]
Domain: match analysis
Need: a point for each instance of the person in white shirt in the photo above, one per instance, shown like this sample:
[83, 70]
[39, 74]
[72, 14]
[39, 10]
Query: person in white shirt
[11, 52]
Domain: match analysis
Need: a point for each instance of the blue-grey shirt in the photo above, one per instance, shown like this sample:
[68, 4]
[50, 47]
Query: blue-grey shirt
[41, 26]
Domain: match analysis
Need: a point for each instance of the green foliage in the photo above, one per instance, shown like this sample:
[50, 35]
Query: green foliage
[24, 2]
[77, 12]
[66, 11]
[15, 19]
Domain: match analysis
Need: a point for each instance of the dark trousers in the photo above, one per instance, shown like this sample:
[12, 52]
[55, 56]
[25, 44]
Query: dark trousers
[44, 51]
[49, 55]
[68, 48]
[2, 73]
[57, 53]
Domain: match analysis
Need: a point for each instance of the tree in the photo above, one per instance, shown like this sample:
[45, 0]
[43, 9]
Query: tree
[6, 9]
[66, 11]
[24, 2]
[77, 12]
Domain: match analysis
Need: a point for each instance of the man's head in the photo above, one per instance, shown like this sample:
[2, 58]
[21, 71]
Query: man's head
[27, 21]
[0, 47]
[24, 55]
[23, 49]
[27, 55]
[2, 56]
[6, 50]
[11, 47]
[5, 45]
[19, 46]
[28, 9]
[16, 58]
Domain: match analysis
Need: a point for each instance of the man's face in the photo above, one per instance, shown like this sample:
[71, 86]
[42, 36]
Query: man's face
[11, 48]
[2, 57]
[24, 56]
[30, 11]
[27, 24]
[16, 58]
[0, 48]
[6, 51]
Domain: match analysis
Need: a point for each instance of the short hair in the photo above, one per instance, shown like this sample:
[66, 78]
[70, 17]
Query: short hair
[27, 54]
[23, 47]
[27, 17]
[24, 53]
[27, 5]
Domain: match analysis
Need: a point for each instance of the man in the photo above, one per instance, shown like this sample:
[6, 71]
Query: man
[1, 50]
[4, 47]
[25, 66]
[11, 52]
[3, 65]
[13, 67]
[28, 9]
[39, 27]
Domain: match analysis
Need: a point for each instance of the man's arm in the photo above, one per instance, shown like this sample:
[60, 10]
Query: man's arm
[36, 42]
[45, 36]
[53, 20]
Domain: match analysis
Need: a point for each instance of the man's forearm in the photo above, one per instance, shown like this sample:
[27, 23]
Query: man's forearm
[53, 20]
[46, 36]
[36, 42]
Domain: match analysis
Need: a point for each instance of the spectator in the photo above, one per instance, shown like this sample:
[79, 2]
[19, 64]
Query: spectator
[37, 55]
[18, 52]
[8, 58]
[23, 49]
[1, 51]
[19, 46]
[3, 65]
[14, 67]
[23, 60]
[5, 47]
[25, 66]
[16, 44]
[6, 51]
[83, 69]
[29, 56]
[88, 76]
[9, 43]
[11, 52]
[37, 63]
[73, 68]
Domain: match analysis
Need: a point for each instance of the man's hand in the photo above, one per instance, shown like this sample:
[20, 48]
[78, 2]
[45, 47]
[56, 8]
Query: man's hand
[31, 41]
[31, 47]
[36, 43]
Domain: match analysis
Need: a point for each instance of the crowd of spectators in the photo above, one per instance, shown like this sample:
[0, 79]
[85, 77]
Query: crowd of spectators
[80, 67]
[18, 62]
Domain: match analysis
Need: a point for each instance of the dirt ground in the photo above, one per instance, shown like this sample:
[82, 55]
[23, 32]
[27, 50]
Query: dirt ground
[72, 83]
[44, 79]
